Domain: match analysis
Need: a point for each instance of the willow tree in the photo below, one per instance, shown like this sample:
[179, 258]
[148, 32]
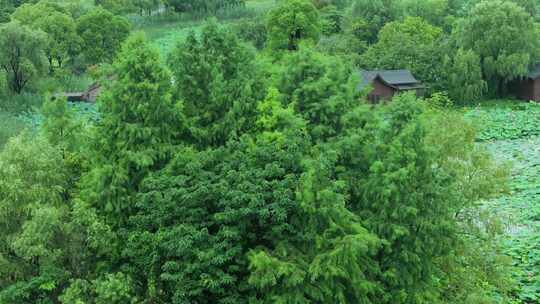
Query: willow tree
[62, 39]
[22, 57]
[505, 37]
[463, 76]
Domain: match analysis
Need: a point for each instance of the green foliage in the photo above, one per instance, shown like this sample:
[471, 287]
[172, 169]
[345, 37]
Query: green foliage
[114, 288]
[374, 14]
[218, 81]
[21, 54]
[102, 34]
[252, 30]
[320, 88]
[332, 264]
[232, 199]
[331, 20]
[433, 11]
[10, 126]
[411, 44]
[139, 123]
[29, 13]
[265, 178]
[6, 9]
[476, 259]
[506, 39]
[32, 188]
[291, 22]
[206, 6]
[463, 77]
[62, 39]
[20, 103]
[59, 126]
[345, 45]
[411, 223]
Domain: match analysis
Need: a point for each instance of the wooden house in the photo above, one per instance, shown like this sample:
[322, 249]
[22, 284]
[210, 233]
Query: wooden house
[387, 83]
[90, 95]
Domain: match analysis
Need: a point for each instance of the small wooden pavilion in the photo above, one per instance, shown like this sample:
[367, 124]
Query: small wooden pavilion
[387, 83]
[90, 95]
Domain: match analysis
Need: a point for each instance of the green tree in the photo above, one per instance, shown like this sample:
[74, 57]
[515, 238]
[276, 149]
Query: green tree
[64, 43]
[531, 6]
[102, 34]
[433, 11]
[112, 288]
[138, 126]
[252, 30]
[291, 22]
[505, 37]
[29, 13]
[417, 228]
[331, 20]
[6, 9]
[202, 6]
[219, 82]
[319, 88]
[411, 44]
[62, 39]
[232, 199]
[374, 14]
[59, 126]
[463, 77]
[468, 266]
[21, 54]
[333, 261]
[33, 180]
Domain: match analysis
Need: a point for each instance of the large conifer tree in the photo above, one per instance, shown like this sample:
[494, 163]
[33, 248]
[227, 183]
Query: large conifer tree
[139, 124]
[217, 79]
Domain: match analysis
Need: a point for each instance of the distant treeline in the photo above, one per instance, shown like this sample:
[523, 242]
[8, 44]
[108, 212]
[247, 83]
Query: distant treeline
[201, 5]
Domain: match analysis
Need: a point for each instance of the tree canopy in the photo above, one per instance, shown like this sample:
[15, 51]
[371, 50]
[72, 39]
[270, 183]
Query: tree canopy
[410, 44]
[62, 39]
[102, 33]
[505, 37]
[218, 81]
[240, 160]
[291, 22]
[22, 56]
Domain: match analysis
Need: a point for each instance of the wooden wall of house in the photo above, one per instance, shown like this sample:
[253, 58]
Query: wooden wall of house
[536, 90]
[380, 91]
[527, 89]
